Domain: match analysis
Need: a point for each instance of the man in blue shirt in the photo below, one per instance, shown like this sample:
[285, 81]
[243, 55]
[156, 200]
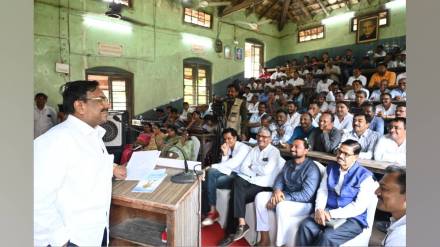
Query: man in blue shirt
[293, 192]
[305, 128]
[377, 123]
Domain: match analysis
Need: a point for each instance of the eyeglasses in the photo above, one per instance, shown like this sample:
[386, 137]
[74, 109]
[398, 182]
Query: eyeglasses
[100, 99]
[339, 152]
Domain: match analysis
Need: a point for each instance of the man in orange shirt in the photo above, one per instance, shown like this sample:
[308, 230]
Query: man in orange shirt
[382, 73]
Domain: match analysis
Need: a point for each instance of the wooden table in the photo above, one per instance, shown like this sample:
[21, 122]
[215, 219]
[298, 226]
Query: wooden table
[139, 218]
[372, 165]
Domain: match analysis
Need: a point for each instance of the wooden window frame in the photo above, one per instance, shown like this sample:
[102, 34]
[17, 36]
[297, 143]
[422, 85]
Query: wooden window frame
[308, 29]
[197, 25]
[195, 66]
[262, 54]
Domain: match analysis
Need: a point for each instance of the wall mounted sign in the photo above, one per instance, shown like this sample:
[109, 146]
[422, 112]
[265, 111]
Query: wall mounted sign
[112, 50]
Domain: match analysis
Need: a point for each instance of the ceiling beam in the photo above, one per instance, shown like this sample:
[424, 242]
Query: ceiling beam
[293, 17]
[323, 8]
[268, 9]
[245, 4]
[284, 14]
[304, 9]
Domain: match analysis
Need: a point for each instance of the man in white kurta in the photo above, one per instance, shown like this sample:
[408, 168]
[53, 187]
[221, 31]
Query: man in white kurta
[73, 172]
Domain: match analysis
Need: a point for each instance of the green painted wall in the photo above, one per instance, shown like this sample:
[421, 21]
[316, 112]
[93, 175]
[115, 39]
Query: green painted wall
[338, 34]
[154, 53]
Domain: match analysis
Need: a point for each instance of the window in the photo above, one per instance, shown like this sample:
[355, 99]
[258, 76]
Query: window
[117, 87]
[196, 84]
[198, 18]
[383, 20]
[253, 58]
[311, 34]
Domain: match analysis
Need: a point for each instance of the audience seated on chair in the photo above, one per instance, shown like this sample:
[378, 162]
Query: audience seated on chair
[315, 112]
[399, 93]
[382, 73]
[142, 140]
[401, 111]
[254, 122]
[157, 139]
[304, 129]
[292, 114]
[392, 198]
[293, 192]
[357, 76]
[357, 86]
[343, 119]
[387, 109]
[392, 147]
[344, 193]
[281, 129]
[326, 137]
[221, 175]
[257, 173]
[377, 124]
[362, 134]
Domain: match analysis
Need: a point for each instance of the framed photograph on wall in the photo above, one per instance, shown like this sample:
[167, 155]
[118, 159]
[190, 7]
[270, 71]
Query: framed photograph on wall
[368, 29]
[238, 53]
[227, 52]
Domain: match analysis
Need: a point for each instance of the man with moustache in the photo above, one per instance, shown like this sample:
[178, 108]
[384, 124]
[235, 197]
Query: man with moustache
[356, 106]
[392, 146]
[293, 116]
[73, 173]
[304, 129]
[282, 129]
[257, 173]
[344, 192]
[362, 134]
[293, 192]
[392, 198]
[235, 110]
[326, 137]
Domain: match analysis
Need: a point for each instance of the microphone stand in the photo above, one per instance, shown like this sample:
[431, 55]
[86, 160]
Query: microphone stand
[187, 176]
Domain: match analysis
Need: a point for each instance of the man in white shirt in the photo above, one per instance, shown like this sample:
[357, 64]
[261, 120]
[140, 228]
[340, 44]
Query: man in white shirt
[184, 115]
[383, 88]
[357, 86]
[392, 147]
[252, 106]
[282, 129]
[73, 173]
[255, 119]
[392, 198]
[362, 134]
[45, 117]
[399, 93]
[247, 93]
[257, 173]
[387, 109]
[315, 111]
[277, 74]
[221, 175]
[348, 178]
[323, 84]
[293, 116]
[296, 80]
[343, 119]
[357, 75]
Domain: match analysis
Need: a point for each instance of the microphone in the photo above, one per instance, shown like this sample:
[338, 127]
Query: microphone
[187, 176]
[117, 119]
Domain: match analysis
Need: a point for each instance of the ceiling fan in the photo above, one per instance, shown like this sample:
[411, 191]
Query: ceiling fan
[254, 25]
[115, 10]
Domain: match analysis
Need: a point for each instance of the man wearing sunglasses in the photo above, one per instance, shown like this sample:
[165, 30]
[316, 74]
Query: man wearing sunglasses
[73, 173]
[344, 193]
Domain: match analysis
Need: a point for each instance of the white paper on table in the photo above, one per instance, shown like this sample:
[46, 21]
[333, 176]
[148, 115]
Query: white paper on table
[174, 163]
[141, 163]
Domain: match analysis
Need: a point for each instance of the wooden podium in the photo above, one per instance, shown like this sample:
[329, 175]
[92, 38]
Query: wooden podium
[139, 218]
